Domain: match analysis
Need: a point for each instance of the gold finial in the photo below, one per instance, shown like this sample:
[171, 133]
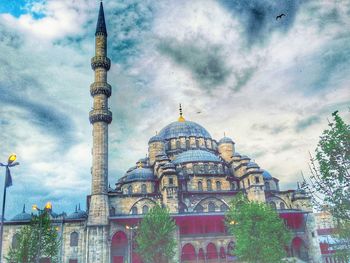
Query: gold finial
[181, 118]
[139, 165]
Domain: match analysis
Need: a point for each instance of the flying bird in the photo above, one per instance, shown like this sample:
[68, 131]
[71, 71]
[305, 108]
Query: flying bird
[198, 112]
[280, 16]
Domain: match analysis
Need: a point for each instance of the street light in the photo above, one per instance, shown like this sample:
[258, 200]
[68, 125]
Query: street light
[8, 182]
[48, 207]
[131, 228]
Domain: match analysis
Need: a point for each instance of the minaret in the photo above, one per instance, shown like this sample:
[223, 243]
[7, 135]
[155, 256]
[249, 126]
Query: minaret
[100, 118]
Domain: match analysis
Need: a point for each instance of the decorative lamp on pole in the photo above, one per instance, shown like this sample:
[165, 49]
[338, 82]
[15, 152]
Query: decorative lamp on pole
[131, 228]
[48, 207]
[8, 182]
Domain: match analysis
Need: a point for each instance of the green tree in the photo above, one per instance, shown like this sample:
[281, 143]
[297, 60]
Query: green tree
[155, 238]
[329, 182]
[330, 179]
[37, 240]
[261, 236]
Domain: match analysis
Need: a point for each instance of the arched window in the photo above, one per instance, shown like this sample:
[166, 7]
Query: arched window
[199, 209]
[143, 189]
[230, 248]
[197, 143]
[209, 188]
[211, 207]
[188, 144]
[130, 189]
[233, 186]
[223, 208]
[211, 251]
[206, 168]
[267, 186]
[220, 169]
[74, 238]
[134, 210]
[273, 205]
[218, 186]
[188, 253]
[196, 169]
[200, 186]
[178, 144]
[145, 209]
[282, 205]
[15, 241]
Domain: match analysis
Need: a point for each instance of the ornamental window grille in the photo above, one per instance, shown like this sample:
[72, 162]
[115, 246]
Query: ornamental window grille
[218, 186]
[273, 205]
[223, 208]
[282, 206]
[233, 186]
[171, 181]
[199, 208]
[257, 180]
[74, 238]
[211, 207]
[112, 211]
[178, 144]
[145, 209]
[196, 169]
[130, 189]
[200, 186]
[134, 210]
[209, 185]
[220, 169]
[206, 168]
[143, 189]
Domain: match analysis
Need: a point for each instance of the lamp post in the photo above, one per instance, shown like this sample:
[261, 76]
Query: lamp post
[8, 182]
[48, 207]
[131, 228]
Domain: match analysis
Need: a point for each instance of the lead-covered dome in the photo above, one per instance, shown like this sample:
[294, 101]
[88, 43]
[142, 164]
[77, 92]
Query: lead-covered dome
[139, 174]
[183, 129]
[196, 156]
[22, 216]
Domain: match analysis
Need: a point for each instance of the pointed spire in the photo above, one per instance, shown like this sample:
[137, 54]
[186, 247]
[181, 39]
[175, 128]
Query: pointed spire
[101, 24]
[76, 209]
[79, 207]
[24, 208]
[181, 118]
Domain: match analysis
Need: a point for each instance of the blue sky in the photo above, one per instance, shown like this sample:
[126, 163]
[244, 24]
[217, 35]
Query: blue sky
[270, 85]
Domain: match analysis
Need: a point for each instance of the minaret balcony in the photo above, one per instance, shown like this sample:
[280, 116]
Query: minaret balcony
[100, 116]
[97, 88]
[100, 62]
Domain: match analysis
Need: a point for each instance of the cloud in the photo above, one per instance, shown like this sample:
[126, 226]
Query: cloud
[206, 64]
[305, 123]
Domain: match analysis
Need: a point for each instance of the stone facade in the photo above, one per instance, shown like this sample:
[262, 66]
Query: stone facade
[189, 172]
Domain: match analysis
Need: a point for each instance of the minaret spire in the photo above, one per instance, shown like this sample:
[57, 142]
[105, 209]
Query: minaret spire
[181, 118]
[101, 24]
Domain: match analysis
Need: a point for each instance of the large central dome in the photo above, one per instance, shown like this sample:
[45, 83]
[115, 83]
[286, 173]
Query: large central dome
[183, 129]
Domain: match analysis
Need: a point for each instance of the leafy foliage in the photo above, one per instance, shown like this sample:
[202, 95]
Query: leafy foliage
[155, 237]
[37, 240]
[260, 234]
[330, 179]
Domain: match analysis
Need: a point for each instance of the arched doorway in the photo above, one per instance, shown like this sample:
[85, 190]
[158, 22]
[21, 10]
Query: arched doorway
[299, 249]
[212, 254]
[201, 257]
[188, 253]
[119, 247]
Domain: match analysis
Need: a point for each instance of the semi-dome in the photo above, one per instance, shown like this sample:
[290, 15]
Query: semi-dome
[183, 129]
[226, 140]
[252, 165]
[155, 138]
[78, 214]
[22, 216]
[139, 174]
[266, 175]
[196, 156]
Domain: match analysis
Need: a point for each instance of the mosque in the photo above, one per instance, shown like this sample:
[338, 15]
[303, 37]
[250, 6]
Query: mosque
[186, 170]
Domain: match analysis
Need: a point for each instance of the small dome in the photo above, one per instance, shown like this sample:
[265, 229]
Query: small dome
[22, 216]
[266, 175]
[236, 154]
[78, 214]
[244, 157]
[156, 138]
[183, 129]
[139, 174]
[196, 156]
[226, 140]
[252, 165]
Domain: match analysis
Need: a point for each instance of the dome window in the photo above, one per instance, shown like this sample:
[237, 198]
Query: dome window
[143, 189]
[200, 186]
[74, 238]
[178, 144]
[134, 210]
[218, 186]
[199, 208]
[209, 188]
[130, 189]
[273, 205]
[188, 144]
[282, 206]
[223, 208]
